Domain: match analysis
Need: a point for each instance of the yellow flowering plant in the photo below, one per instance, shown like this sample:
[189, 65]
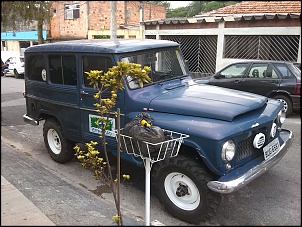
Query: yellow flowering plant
[112, 81]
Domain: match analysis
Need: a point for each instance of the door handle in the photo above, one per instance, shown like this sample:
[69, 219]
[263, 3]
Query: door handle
[84, 92]
[274, 82]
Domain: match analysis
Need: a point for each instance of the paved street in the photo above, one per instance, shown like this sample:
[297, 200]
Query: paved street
[68, 195]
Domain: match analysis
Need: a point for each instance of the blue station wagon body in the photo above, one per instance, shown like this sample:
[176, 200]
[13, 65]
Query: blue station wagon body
[234, 136]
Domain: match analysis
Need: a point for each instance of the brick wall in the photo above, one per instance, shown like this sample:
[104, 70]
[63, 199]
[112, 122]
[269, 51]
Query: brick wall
[95, 15]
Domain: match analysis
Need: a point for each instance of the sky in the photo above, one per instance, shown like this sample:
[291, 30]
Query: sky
[176, 4]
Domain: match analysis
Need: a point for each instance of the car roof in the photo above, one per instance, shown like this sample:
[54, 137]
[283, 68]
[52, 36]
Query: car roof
[102, 45]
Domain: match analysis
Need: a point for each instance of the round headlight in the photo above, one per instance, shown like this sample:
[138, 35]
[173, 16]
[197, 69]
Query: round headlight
[228, 151]
[281, 116]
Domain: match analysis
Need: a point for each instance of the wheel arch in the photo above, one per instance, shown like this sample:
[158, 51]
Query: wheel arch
[193, 153]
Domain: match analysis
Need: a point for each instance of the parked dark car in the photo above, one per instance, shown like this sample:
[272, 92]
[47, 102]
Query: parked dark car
[275, 79]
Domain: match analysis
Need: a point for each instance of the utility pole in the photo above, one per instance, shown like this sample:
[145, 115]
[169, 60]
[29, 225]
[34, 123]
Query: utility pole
[113, 19]
[141, 18]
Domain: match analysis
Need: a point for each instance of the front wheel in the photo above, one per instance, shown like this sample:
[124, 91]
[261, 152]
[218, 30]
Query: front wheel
[287, 103]
[181, 184]
[59, 148]
[16, 73]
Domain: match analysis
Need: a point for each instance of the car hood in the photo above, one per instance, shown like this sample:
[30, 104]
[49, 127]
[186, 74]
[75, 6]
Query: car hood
[202, 100]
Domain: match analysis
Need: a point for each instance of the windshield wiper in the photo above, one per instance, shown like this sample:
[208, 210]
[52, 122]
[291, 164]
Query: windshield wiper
[166, 75]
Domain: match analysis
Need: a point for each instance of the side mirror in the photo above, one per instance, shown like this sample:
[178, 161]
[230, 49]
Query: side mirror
[218, 76]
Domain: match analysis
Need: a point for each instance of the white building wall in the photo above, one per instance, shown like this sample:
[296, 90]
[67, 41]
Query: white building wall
[221, 31]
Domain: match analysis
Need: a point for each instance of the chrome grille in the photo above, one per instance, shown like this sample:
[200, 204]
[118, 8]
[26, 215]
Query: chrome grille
[246, 149]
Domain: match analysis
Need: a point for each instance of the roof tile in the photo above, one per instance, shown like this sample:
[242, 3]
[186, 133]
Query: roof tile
[252, 7]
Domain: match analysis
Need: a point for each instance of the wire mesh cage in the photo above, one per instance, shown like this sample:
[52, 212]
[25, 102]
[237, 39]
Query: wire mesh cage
[154, 151]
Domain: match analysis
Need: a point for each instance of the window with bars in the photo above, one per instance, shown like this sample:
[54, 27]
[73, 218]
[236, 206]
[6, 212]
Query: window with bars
[72, 11]
[284, 48]
[199, 52]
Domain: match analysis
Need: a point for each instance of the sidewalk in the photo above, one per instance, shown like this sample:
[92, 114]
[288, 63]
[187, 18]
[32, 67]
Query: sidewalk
[32, 195]
[17, 210]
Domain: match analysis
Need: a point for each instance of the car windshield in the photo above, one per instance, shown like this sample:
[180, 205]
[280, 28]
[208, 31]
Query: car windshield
[164, 64]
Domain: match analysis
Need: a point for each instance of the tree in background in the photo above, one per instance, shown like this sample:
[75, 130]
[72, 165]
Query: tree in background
[193, 8]
[26, 12]
[161, 3]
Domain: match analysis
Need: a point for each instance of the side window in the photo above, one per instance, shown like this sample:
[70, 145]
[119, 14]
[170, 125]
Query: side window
[258, 71]
[285, 72]
[63, 69]
[95, 63]
[234, 71]
[36, 64]
[270, 73]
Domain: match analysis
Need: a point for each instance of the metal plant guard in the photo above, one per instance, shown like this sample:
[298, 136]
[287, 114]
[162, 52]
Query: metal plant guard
[150, 153]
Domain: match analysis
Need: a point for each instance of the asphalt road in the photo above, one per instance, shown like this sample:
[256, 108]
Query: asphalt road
[273, 199]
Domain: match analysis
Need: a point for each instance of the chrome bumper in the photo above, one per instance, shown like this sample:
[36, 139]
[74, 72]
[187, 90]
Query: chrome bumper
[238, 182]
[29, 120]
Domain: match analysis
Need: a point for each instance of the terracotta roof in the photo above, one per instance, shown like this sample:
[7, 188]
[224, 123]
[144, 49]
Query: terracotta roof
[218, 18]
[262, 7]
[246, 10]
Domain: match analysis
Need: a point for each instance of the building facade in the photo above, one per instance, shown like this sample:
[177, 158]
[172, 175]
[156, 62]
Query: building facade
[248, 30]
[18, 41]
[91, 19]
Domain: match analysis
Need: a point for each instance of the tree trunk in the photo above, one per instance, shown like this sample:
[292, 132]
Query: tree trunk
[40, 32]
[41, 13]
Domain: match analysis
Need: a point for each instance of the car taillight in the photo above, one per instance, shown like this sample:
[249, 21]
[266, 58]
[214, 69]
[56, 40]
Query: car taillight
[298, 89]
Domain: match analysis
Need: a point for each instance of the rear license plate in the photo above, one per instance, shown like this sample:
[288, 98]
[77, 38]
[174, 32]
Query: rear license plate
[271, 149]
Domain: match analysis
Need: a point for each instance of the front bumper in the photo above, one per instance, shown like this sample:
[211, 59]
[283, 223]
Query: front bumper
[229, 183]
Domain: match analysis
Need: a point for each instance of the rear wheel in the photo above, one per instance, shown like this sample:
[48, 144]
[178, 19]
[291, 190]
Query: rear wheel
[288, 106]
[59, 148]
[17, 75]
[181, 184]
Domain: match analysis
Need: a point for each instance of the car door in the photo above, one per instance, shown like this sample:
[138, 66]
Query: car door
[261, 78]
[230, 77]
[91, 126]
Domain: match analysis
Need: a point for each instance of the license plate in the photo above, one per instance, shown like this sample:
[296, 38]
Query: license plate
[271, 149]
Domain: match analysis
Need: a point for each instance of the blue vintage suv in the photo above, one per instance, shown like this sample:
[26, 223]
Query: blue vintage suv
[234, 136]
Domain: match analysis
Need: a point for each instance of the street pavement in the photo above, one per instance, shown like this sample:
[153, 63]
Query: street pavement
[32, 195]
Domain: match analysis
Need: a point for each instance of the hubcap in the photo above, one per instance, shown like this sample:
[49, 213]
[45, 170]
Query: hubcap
[182, 191]
[284, 104]
[54, 141]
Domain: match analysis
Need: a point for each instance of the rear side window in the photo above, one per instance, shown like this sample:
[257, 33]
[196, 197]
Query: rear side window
[258, 70]
[285, 72]
[95, 63]
[37, 71]
[63, 69]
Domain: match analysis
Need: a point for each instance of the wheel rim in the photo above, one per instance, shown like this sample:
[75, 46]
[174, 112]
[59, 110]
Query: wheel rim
[182, 191]
[284, 104]
[54, 141]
